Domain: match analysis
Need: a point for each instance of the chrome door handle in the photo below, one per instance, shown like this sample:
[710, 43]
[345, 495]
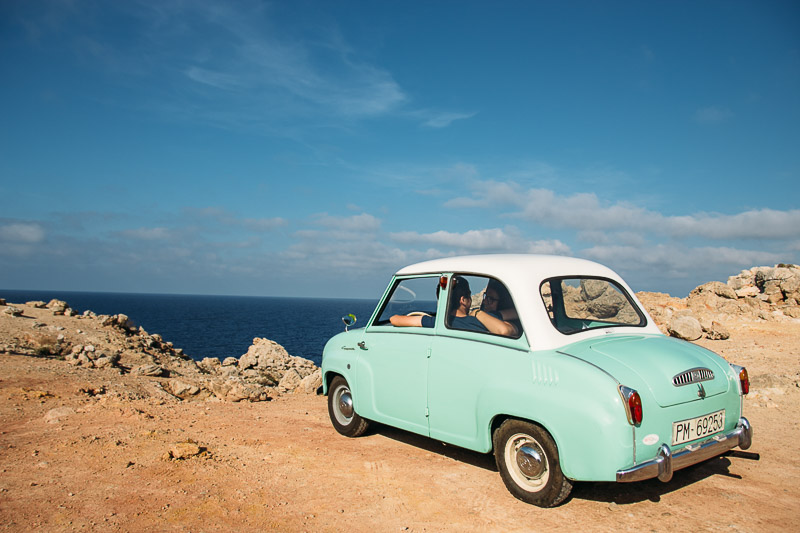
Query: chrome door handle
[362, 345]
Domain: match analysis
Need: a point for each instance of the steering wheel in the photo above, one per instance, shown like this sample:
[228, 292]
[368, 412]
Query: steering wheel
[418, 313]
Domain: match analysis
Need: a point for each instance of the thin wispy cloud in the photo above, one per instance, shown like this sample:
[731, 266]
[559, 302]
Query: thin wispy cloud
[146, 234]
[222, 218]
[217, 80]
[442, 120]
[712, 115]
[21, 233]
[363, 222]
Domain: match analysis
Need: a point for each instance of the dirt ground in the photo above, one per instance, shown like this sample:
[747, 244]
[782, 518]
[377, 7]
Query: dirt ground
[88, 449]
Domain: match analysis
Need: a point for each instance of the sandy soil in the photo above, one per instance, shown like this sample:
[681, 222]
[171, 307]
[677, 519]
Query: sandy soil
[88, 449]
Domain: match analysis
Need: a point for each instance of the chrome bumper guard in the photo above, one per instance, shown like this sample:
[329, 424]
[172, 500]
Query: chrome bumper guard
[666, 463]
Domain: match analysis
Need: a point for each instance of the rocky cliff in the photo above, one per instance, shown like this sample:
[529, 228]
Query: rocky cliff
[761, 293]
[92, 341]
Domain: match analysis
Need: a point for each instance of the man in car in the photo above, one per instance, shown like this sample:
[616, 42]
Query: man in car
[459, 315]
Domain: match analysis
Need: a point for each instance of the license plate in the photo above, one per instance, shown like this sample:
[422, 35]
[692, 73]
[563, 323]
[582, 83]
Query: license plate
[695, 428]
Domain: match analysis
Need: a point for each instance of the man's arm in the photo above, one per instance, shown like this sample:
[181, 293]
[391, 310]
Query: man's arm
[406, 321]
[495, 325]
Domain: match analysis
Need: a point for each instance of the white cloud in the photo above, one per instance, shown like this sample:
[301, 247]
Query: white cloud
[22, 233]
[754, 224]
[355, 223]
[147, 234]
[486, 240]
[587, 213]
[658, 262]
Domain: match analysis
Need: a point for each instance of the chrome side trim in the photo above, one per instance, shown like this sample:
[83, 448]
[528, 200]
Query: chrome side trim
[665, 462]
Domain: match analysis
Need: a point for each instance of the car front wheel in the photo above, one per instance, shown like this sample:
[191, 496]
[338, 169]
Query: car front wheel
[340, 408]
[527, 459]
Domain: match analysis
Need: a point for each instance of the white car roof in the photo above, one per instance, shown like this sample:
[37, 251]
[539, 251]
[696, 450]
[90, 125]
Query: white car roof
[511, 265]
[523, 274]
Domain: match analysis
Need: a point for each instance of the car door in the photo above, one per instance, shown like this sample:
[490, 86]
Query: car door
[471, 374]
[392, 372]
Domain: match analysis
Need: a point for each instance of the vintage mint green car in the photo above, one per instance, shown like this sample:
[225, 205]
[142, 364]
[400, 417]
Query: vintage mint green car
[551, 363]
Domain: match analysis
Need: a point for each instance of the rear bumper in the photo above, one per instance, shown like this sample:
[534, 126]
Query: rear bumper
[665, 463]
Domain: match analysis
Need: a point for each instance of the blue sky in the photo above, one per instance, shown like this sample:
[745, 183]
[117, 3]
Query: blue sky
[313, 148]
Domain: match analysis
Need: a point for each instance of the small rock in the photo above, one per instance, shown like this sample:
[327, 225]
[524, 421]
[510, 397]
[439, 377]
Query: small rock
[13, 311]
[717, 332]
[230, 361]
[209, 364]
[54, 416]
[181, 388]
[103, 362]
[57, 306]
[184, 450]
[151, 370]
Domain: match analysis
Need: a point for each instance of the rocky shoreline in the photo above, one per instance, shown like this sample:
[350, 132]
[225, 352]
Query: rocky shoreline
[267, 371]
[95, 341]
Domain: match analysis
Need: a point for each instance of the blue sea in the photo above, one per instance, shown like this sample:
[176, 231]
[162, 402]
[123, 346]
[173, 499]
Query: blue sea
[220, 326]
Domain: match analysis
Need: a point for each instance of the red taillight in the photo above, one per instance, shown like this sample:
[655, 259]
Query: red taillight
[634, 403]
[635, 407]
[744, 381]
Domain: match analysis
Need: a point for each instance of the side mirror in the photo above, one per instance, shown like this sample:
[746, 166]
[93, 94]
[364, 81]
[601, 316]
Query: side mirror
[348, 320]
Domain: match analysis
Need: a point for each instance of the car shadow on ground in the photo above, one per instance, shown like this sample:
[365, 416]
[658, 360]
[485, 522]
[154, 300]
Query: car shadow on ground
[608, 492]
[653, 489]
[481, 460]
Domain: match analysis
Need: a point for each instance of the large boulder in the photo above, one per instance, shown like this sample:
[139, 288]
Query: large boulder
[264, 353]
[716, 288]
[685, 327]
[311, 383]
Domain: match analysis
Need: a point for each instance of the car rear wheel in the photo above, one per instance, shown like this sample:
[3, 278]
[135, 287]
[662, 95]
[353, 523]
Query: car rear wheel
[527, 459]
[340, 408]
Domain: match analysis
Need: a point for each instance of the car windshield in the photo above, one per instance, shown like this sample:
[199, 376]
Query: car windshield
[578, 304]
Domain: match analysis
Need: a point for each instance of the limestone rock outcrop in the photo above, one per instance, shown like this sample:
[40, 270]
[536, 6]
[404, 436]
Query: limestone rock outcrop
[114, 342]
[760, 293]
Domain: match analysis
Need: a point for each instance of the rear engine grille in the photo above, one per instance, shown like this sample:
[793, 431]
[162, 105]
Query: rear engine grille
[695, 375]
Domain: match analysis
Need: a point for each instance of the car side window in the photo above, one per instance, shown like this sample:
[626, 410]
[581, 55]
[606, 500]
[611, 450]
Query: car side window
[483, 305]
[410, 297]
[578, 304]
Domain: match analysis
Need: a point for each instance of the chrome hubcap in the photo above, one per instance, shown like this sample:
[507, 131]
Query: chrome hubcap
[346, 404]
[529, 461]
